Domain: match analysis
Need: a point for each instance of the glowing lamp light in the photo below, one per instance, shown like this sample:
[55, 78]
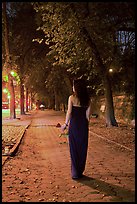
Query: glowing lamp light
[8, 96]
[13, 73]
[110, 70]
[5, 90]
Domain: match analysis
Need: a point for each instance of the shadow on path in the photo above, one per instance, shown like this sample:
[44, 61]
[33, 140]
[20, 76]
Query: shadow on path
[120, 194]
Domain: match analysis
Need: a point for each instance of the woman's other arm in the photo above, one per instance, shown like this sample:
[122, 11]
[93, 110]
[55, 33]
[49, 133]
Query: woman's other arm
[68, 114]
[88, 111]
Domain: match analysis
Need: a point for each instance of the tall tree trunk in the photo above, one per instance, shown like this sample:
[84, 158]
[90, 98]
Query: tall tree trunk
[64, 108]
[51, 102]
[110, 118]
[12, 97]
[31, 99]
[22, 112]
[27, 99]
[57, 105]
[8, 65]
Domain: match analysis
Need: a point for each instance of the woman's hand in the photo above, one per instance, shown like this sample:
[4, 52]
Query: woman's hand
[63, 127]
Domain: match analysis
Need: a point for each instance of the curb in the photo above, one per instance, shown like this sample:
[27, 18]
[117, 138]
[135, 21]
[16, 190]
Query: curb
[14, 148]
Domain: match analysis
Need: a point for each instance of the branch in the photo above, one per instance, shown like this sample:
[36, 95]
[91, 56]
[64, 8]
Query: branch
[90, 42]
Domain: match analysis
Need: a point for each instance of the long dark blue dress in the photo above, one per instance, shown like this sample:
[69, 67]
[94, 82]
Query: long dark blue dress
[78, 140]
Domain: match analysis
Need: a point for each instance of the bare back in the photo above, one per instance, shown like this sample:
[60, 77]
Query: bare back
[75, 101]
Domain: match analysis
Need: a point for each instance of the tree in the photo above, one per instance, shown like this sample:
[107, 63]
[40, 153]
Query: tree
[58, 84]
[8, 63]
[23, 48]
[85, 33]
[21, 45]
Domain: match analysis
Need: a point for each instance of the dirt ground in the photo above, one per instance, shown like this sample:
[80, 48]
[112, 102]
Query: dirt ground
[40, 169]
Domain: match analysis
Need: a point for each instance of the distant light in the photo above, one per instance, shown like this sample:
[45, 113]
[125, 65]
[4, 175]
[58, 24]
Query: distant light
[13, 73]
[5, 90]
[8, 96]
[110, 70]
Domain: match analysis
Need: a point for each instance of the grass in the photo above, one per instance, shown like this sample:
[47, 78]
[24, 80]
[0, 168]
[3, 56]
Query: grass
[6, 113]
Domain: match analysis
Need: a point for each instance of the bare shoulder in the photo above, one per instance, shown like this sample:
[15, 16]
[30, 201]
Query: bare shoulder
[71, 98]
[75, 100]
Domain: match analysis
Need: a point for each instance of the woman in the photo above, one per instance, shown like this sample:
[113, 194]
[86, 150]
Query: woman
[77, 117]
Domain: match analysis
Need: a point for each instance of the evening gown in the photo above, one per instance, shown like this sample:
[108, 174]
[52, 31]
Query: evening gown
[78, 140]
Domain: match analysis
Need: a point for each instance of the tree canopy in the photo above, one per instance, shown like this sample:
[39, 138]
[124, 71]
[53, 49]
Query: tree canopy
[62, 25]
[54, 42]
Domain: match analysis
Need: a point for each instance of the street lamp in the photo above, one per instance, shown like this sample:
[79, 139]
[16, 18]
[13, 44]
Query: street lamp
[110, 70]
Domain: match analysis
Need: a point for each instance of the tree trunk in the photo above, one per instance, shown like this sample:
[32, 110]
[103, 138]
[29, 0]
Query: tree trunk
[50, 102]
[26, 99]
[64, 108]
[110, 118]
[57, 105]
[12, 97]
[22, 112]
[8, 65]
[31, 99]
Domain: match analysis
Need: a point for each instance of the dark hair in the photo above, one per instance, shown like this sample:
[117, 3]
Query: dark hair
[81, 91]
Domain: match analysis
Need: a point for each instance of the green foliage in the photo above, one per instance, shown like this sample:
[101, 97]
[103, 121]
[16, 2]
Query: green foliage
[58, 82]
[68, 46]
[5, 77]
[50, 49]
[63, 35]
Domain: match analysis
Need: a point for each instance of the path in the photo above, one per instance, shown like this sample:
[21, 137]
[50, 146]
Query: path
[40, 171]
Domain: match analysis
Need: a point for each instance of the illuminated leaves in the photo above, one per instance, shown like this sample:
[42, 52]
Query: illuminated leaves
[61, 29]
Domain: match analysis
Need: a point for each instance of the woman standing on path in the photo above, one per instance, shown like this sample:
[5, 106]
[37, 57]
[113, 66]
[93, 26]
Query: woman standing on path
[77, 116]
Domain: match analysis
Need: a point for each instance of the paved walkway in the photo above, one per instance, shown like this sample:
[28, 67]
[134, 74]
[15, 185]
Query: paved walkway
[40, 171]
